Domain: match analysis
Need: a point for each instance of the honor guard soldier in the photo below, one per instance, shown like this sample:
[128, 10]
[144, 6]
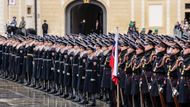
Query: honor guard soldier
[40, 53]
[19, 61]
[90, 83]
[29, 59]
[55, 67]
[129, 59]
[68, 72]
[147, 71]
[107, 84]
[62, 56]
[184, 83]
[136, 86]
[173, 74]
[81, 74]
[75, 66]
[159, 73]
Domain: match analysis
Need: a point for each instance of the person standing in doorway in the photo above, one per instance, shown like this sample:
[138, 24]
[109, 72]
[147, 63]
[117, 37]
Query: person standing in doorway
[98, 27]
[82, 26]
[45, 27]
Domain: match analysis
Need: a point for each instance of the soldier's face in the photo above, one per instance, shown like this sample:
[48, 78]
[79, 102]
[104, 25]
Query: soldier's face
[138, 51]
[130, 50]
[175, 51]
[159, 49]
[148, 47]
[186, 51]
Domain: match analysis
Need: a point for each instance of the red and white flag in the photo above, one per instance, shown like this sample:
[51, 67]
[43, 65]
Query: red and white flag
[114, 60]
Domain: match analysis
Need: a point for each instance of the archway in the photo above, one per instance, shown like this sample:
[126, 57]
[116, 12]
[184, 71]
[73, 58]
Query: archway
[85, 18]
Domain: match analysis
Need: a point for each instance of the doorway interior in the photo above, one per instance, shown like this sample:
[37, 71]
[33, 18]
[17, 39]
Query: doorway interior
[94, 14]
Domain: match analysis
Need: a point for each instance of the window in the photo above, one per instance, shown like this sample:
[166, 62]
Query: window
[12, 2]
[155, 15]
[29, 10]
[187, 6]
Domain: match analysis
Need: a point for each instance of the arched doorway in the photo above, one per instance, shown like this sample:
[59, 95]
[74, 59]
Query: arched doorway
[85, 18]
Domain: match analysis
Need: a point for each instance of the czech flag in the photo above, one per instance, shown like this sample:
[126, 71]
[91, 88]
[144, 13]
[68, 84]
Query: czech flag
[114, 61]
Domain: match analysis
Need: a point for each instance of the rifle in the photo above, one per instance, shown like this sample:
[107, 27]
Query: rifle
[141, 95]
[174, 93]
[161, 96]
[146, 79]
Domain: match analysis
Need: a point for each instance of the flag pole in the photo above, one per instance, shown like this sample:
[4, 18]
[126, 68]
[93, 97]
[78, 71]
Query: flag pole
[118, 102]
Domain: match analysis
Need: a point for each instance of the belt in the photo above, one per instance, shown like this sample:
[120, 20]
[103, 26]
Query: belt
[57, 61]
[88, 70]
[92, 80]
[47, 59]
[17, 56]
[75, 64]
[39, 58]
[30, 55]
[35, 59]
[61, 62]
[68, 74]
[6, 53]
[52, 68]
[13, 55]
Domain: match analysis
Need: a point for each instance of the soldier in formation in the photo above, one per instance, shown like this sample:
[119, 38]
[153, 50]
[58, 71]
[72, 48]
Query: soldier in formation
[153, 70]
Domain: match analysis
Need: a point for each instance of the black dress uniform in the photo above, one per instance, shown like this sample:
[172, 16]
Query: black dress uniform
[101, 59]
[184, 84]
[10, 61]
[24, 64]
[106, 79]
[91, 83]
[19, 63]
[99, 71]
[40, 67]
[107, 83]
[62, 59]
[127, 85]
[29, 64]
[136, 81]
[56, 70]
[121, 75]
[48, 66]
[1, 59]
[44, 74]
[75, 67]
[146, 77]
[4, 61]
[172, 80]
[81, 76]
[158, 79]
[35, 66]
[68, 74]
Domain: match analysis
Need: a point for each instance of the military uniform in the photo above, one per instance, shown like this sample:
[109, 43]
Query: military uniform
[184, 83]
[81, 76]
[29, 64]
